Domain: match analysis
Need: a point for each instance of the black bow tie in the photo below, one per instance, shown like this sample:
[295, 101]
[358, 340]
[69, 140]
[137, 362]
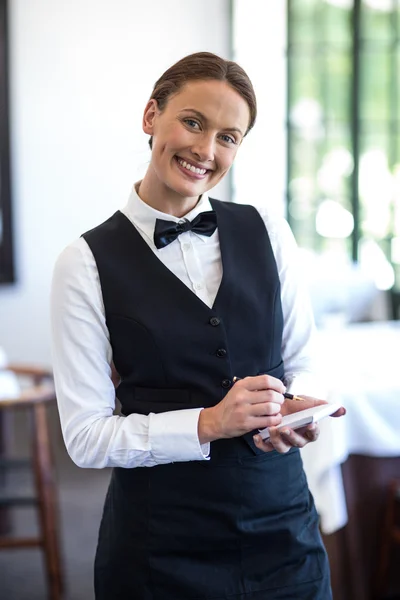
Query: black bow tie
[166, 232]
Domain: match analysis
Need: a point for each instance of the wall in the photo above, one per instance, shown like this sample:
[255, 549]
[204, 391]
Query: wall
[81, 73]
[259, 45]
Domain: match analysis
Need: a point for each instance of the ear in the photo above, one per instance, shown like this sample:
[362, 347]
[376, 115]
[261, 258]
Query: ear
[149, 116]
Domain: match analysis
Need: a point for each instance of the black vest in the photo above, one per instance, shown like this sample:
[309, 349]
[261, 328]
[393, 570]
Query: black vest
[171, 350]
[242, 524]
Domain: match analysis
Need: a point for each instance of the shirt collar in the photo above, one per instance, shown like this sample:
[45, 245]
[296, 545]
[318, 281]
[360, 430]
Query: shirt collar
[144, 216]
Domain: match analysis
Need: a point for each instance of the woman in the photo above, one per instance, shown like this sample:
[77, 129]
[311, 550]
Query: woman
[183, 293]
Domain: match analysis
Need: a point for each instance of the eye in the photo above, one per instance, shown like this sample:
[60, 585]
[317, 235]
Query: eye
[191, 123]
[228, 139]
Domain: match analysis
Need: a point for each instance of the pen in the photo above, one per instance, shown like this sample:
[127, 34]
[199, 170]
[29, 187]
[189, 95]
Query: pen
[285, 394]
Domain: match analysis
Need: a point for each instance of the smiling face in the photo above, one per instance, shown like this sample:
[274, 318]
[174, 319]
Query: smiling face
[195, 140]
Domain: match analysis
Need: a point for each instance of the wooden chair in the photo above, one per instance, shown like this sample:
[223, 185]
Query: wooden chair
[34, 398]
[389, 539]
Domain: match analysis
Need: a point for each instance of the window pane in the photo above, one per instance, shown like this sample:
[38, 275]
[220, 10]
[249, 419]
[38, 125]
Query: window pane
[396, 201]
[305, 156]
[376, 85]
[303, 188]
[376, 19]
[337, 21]
[398, 155]
[334, 173]
[396, 97]
[319, 208]
[302, 15]
[304, 81]
[375, 185]
[337, 87]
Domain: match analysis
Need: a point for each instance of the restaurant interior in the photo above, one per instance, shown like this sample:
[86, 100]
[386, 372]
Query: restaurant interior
[325, 154]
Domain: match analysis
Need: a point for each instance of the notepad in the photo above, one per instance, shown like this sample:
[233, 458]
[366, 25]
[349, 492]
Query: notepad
[303, 418]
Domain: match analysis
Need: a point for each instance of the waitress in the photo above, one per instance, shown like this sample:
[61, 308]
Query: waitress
[175, 295]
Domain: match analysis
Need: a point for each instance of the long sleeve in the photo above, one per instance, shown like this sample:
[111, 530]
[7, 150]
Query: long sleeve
[82, 358]
[82, 353]
[299, 341]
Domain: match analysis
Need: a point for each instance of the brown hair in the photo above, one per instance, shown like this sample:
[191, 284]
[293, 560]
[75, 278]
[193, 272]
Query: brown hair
[206, 66]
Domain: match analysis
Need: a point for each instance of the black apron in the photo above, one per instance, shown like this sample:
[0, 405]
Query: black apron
[242, 525]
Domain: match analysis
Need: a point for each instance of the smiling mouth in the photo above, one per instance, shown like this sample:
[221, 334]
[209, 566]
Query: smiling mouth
[191, 169]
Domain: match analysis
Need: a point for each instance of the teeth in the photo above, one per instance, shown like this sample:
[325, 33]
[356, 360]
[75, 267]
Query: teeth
[191, 168]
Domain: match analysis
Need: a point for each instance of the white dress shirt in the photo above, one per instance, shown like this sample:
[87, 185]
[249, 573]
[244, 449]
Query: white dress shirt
[82, 354]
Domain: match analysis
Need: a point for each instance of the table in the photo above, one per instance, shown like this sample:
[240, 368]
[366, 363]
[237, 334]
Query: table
[348, 469]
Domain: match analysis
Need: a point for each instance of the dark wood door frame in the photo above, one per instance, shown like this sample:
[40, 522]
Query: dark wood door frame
[7, 272]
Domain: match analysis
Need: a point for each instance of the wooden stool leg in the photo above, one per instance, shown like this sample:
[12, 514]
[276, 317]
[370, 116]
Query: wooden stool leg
[45, 483]
[6, 429]
[386, 543]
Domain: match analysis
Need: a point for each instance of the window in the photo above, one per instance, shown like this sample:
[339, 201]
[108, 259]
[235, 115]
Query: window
[343, 119]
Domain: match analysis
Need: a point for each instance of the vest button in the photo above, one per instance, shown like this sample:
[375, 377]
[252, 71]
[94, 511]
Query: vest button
[226, 383]
[214, 321]
[221, 352]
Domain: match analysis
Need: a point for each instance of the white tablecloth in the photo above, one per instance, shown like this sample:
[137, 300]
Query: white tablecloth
[360, 365]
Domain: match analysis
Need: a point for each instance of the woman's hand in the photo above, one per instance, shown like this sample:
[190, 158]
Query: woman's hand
[283, 439]
[115, 378]
[252, 403]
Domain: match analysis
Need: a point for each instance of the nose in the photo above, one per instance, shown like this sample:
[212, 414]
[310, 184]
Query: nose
[204, 148]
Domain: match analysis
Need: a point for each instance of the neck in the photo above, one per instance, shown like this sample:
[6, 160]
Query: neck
[162, 198]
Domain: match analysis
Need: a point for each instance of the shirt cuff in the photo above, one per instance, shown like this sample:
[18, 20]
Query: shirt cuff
[174, 436]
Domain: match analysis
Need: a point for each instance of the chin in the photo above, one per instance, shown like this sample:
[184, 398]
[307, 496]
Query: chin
[189, 190]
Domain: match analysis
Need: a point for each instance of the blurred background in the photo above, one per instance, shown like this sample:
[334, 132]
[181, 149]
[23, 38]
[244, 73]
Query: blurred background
[325, 153]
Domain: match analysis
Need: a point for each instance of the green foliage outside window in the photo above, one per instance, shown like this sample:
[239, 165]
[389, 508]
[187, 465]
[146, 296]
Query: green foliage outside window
[344, 130]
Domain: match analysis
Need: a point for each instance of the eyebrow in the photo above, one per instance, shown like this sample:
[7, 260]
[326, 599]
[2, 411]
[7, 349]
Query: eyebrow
[201, 116]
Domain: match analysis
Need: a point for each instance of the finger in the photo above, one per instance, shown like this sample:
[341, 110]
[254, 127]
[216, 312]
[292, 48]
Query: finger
[262, 382]
[264, 409]
[339, 413]
[313, 401]
[312, 433]
[278, 441]
[262, 445]
[292, 406]
[115, 377]
[263, 422]
[295, 439]
[263, 396]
